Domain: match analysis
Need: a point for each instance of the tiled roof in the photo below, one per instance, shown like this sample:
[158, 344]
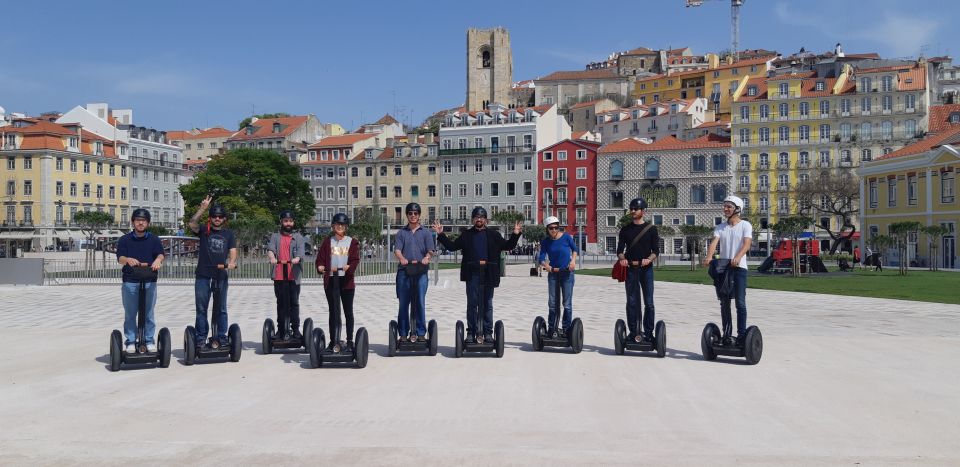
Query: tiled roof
[589, 145]
[578, 134]
[639, 51]
[742, 63]
[215, 132]
[263, 128]
[386, 120]
[340, 141]
[582, 74]
[761, 84]
[40, 127]
[911, 77]
[806, 74]
[178, 135]
[668, 143]
[940, 117]
[712, 124]
[586, 104]
[951, 136]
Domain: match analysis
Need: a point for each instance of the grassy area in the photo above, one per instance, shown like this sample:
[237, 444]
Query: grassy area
[923, 286]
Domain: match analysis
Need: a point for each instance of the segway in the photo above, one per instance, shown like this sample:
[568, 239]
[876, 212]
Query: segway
[270, 338]
[711, 344]
[320, 354]
[572, 338]
[479, 344]
[620, 341]
[395, 344]
[213, 348]
[118, 355]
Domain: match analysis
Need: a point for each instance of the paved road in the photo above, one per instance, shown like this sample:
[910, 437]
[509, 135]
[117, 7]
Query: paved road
[843, 380]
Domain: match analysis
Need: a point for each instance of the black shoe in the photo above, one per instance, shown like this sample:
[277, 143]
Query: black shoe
[471, 337]
[551, 332]
[421, 338]
[330, 346]
[739, 340]
[647, 339]
[632, 337]
[297, 335]
[348, 347]
[729, 341]
[487, 337]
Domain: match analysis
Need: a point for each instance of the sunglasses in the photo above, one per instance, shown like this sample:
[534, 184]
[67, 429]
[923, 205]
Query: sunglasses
[218, 217]
[552, 227]
[413, 213]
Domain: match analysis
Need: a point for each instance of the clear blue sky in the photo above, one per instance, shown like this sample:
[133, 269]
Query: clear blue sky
[180, 64]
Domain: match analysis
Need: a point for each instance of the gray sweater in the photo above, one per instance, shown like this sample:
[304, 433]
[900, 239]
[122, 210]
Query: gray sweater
[298, 249]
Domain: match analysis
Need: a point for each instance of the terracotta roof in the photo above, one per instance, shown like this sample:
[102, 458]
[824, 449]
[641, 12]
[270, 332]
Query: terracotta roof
[588, 145]
[761, 84]
[806, 74]
[742, 63]
[639, 51]
[586, 104]
[578, 134]
[178, 135]
[713, 124]
[666, 144]
[263, 128]
[340, 141]
[940, 117]
[582, 74]
[951, 136]
[215, 132]
[40, 127]
[386, 120]
[195, 162]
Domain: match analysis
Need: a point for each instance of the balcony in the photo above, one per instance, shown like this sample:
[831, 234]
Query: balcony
[635, 131]
[846, 163]
[803, 165]
[673, 126]
[823, 164]
[745, 188]
[561, 181]
[865, 113]
[845, 114]
[744, 166]
[763, 166]
[9, 146]
[804, 140]
[783, 165]
[782, 187]
[652, 129]
[763, 188]
[804, 116]
[783, 210]
[910, 110]
[9, 223]
[764, 119]
[886, 111]
[26, 223]
[764, 142]
[462, 152]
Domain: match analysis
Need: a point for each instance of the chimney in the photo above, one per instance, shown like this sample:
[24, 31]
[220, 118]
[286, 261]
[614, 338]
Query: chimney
[429, 138]
[411, 138]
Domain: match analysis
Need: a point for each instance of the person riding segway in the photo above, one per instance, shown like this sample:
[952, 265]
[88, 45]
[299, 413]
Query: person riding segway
[562, 252]
[286, 250]
[414, 248]
[141, 255]
[729, 272]
[480, 269]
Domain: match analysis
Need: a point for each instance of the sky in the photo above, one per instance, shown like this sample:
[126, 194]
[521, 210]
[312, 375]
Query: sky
[183, 64]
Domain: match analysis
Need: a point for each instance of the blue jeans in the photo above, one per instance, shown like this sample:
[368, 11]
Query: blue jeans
[566, 279]
[473, 303]
[130, 293]
[202, 288]
[740, 297]
[640, 281]
[410, 304]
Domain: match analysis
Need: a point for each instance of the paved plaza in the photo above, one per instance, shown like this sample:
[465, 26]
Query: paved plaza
[843, 381]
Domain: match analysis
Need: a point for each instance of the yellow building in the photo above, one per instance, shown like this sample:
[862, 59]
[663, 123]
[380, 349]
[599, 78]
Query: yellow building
[50, 172]
[394, 176]
[917, 183]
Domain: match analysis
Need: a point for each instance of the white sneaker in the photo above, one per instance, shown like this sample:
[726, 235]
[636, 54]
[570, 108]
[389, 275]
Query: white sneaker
[151, 348]
[131, 348]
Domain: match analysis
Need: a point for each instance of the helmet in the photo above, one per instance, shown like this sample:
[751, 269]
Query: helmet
[478, 212]
[217, 210]
[286, 214]
[638, 203]
[340, 218]
[736, 202]
[412, 207]
[140, 212]
[551, 220]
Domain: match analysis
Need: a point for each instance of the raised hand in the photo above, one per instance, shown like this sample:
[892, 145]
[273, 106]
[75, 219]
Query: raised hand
[206, 202]
[517, 228]
[437, 226]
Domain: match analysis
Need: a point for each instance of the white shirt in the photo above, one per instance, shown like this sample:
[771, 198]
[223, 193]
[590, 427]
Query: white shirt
[731, 240]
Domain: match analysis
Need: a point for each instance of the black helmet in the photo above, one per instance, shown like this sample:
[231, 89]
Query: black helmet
[638, 203]
[412, 207]
[140, 212]
[478, 212]
[286, 214]
[340, 218]
[217, 210]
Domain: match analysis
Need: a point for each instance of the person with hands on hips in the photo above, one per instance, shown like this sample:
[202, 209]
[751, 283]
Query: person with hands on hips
[638, 245]
[139, 248]
[286, 249]
[218, 245]
[561, 251]
[733, 238]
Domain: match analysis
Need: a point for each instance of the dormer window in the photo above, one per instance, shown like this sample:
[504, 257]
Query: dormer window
[751, 90]
[74, 141]
[955, 117]
[276, 128]
[98, 148]
[819, 86]
[249, 130]
[368, 153]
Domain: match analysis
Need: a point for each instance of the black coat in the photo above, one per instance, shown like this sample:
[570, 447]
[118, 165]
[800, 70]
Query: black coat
[495, 244]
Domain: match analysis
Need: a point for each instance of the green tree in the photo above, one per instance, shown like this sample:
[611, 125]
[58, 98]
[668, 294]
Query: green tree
[625, 220]
[252, 231]
[831, 195]
[882, 243]
[243, 123]
[695, 236]
[901, 231]
[158, 230]
[367, 225]
[507, 218]
[934, 233]
[92, 223]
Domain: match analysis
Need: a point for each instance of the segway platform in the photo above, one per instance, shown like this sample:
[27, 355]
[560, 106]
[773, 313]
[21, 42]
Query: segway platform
[481, 345]
[118, 355]
[270, 340]
[621, 343]
[320, 354]
[711, 345]
[573, 338]
[395, 345]
[213, 348]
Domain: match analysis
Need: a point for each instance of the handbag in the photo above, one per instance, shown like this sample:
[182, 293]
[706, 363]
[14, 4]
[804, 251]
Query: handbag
[415, 269]
[721, 271]
[620, 272]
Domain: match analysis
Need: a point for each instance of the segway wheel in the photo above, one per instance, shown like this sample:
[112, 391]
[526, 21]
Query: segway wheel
[711, 335]
[392, 339]
[189, 345]
[536, 335]
[576, 335]
[619, 335]
[316, 345]
[753, 345]
[661, 338]
[307, 330]
[498, 336]
[458, 342]
[361, 347]
[432, 329]
[268, 331]
[116, 350]
[163, 348]
[236, 342]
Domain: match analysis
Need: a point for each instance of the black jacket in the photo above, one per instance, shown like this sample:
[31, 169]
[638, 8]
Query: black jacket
[495, 244]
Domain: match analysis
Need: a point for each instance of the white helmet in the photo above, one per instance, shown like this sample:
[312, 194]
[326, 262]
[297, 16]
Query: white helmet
[736, 202]
[551, 220]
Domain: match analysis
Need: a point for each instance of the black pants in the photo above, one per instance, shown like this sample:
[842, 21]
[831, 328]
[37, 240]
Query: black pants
[346, 299]
[293, 313]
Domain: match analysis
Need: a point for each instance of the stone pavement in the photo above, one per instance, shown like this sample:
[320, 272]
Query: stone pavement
[843, 380]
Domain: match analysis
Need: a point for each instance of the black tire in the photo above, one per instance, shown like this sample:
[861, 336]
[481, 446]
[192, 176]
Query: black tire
[619, 335]
[432, 330]
[710, 336]
[189, 346]
[236, 342]
[392, 339]
[361, 348]
[116, 350]
[661, 338]
[753, 345]
[267, 337]
[458, 340]
[163, 348]
[307, 330]
[536, 336]
[499, 336]
[576, 335]
[315, 345]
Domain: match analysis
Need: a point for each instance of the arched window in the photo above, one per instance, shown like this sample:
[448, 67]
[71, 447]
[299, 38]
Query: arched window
[652, 169]
[485, 58]
[616, 170]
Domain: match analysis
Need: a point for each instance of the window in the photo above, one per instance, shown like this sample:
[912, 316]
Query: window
[432, 191]
[886, 104]
[824, 133]
[527, 163]
[698, 194]
[652, 169]
[744, 113]
[803, 132]
[561, 155]
[804, 109]
[947, 183]
[462, 190]
[548, 174]
[86, 191]
[892, 192]
[616, 199]
[719, 192]
[783, 134]
[886, 83]
[383, 191]
[495, 164]
[527, 188]
[494, 189]
[28, 187]
[744, 183]
[763, 181]
[86, 167]
[28, 164]
[581, 173]
[616, 170]
[911, 190]
[581, 154]
[866, 131]
[824, 108]
[581, 195]
[698, 163]
[744, 136]
[886, 130]
[511, 189]
[910, 129]
[547, 155]
[764, 112]
[866, 155]
[397, 191]
[783, 110]
[718, 162]
[763, 136]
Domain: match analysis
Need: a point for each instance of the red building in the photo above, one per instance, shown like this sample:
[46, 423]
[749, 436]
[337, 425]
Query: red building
[567, 187]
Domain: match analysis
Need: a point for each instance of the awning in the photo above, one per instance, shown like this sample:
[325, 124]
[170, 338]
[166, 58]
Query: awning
[856, 235]
[65, 234]
[17, 235]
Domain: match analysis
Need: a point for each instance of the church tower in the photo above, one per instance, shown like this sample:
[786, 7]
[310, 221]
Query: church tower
[489, 68]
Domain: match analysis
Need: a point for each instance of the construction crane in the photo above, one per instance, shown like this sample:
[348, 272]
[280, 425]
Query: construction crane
[734, 23]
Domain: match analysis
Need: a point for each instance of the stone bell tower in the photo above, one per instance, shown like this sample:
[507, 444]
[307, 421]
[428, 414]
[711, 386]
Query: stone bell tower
[489, 67]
